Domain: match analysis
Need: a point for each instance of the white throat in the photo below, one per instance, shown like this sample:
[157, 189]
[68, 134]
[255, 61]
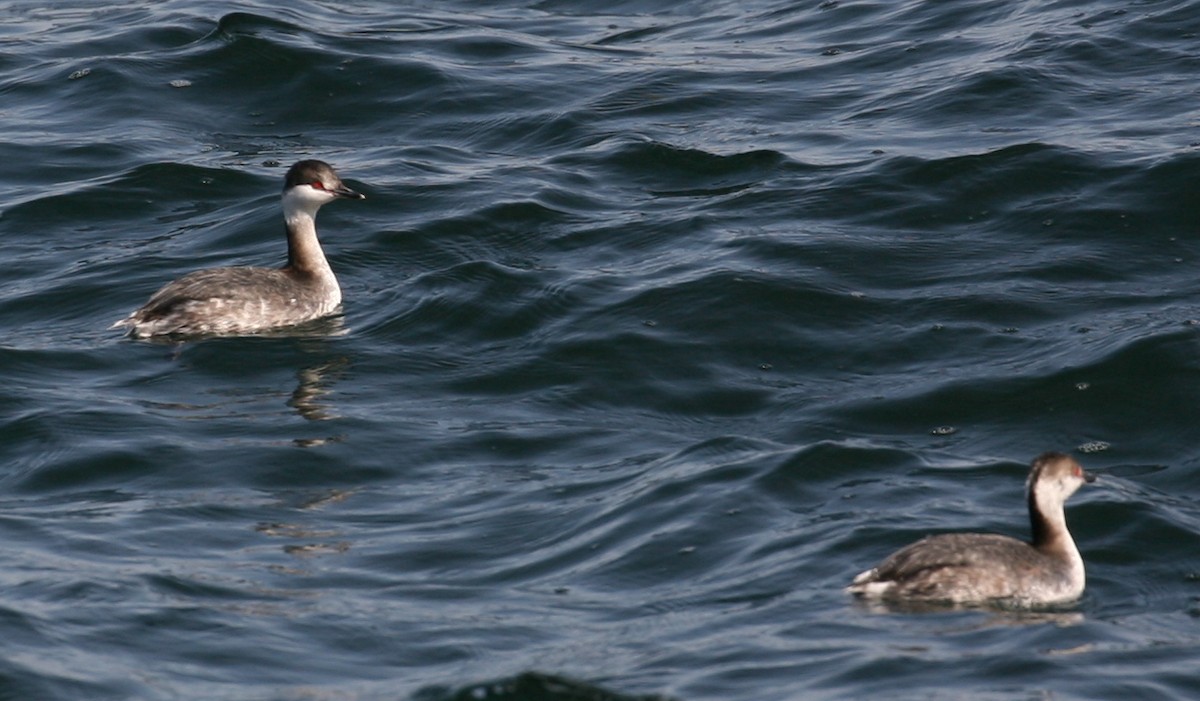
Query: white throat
[300, 205]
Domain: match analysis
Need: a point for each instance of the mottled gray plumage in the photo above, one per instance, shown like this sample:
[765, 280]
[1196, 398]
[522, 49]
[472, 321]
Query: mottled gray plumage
[978, 567]
[246, 300]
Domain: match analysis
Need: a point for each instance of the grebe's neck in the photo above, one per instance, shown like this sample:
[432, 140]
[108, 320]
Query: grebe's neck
[304, 250]
[1050, 534]
[1048, 495]
[1047, 518]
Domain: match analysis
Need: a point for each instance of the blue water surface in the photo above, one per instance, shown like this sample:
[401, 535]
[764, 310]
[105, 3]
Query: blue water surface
[662, 321]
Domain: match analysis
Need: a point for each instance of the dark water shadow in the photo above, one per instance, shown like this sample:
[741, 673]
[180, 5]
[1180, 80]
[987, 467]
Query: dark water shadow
[530, 686]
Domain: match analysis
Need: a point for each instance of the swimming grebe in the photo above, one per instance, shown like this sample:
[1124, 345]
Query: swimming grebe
[971, 568]
[245, 300]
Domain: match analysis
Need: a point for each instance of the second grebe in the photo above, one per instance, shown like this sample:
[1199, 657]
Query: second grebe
[971, 568]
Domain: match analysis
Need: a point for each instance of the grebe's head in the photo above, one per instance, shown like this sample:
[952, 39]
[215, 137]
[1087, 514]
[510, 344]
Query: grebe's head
[308, 186]
[316, 182]
[1056, 476]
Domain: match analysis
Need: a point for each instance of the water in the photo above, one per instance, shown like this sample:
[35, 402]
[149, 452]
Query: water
[660, 326]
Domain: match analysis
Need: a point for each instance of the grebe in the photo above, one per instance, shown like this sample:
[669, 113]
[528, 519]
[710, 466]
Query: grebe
[245, 300]
[973, 568]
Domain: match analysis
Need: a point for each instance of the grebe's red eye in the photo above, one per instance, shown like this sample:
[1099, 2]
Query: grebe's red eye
[317, 185]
